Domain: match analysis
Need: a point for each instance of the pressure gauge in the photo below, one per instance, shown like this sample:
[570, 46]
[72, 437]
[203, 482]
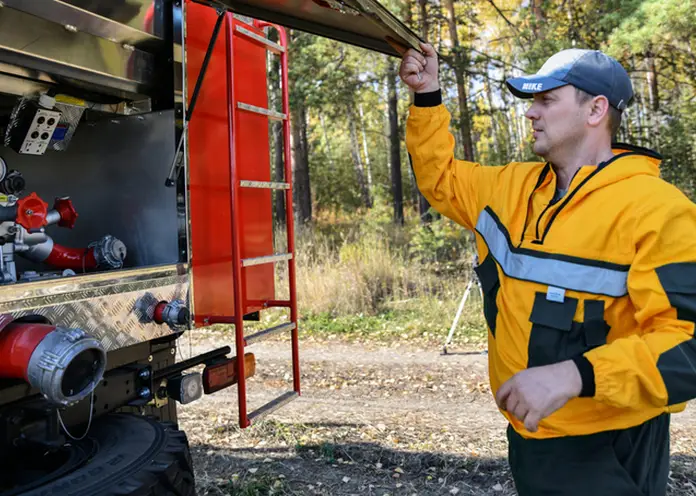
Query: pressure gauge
[3, 169]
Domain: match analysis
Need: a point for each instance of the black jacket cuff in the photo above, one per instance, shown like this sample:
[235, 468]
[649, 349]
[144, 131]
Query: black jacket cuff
[431, 99]
[587, 375]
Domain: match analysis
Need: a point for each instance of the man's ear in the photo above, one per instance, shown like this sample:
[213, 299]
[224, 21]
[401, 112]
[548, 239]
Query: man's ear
[599, 109]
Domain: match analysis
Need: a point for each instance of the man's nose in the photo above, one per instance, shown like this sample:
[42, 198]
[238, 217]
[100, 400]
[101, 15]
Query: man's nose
[532, 113]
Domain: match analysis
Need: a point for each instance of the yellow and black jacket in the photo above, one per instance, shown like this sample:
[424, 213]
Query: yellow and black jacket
[606, 276]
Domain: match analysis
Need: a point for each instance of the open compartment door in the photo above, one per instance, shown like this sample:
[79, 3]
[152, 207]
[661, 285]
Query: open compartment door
[363, 23]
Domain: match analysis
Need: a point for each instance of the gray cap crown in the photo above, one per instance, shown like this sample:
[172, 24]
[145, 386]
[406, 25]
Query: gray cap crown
[589, 70]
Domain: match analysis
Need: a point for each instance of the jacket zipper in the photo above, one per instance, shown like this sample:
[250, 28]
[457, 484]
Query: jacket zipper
[542, 176]
[572, 193]
[537, 241]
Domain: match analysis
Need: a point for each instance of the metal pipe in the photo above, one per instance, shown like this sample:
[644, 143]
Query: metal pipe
[64, 365]
[179, 367]
[283, 38]
[237, 270]
[8, 214]
[289, 212]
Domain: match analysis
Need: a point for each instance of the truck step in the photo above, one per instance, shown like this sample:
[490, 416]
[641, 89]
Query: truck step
[248, 262]
[266, 333]
[265, 42]
[272, 406]
[264, 185]
[263, 111]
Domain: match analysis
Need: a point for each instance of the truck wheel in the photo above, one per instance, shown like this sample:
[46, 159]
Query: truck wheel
[131, 456]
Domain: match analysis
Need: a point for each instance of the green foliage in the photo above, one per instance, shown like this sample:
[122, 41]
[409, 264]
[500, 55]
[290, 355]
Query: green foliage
[443, 243]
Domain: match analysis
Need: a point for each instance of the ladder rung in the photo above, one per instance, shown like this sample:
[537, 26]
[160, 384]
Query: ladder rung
[272, 406]
[248, 262]
[270, 45]
[261, 335]
[264, 185]
[263, 111]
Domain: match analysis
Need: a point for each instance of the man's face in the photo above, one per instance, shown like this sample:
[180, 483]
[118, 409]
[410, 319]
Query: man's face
[558, 121]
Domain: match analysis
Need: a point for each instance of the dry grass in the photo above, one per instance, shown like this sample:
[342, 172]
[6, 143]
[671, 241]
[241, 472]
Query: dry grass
[362, 265]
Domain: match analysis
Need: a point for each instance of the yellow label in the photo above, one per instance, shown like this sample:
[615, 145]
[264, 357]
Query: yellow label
[69, 100]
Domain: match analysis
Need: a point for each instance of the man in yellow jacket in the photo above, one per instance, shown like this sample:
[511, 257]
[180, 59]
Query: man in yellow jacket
[589, 277]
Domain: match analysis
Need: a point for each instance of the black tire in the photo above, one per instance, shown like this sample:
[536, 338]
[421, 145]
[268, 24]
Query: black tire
[131, 456]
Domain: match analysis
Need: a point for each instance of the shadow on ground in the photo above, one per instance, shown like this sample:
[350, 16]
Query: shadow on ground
[368, 469]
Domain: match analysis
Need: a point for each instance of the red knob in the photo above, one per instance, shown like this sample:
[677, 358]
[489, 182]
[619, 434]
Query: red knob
[31, 212]
[68, 214]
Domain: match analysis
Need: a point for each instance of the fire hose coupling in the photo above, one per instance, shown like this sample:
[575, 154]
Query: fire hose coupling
[65, 365]
[109, 252]
[175, 314]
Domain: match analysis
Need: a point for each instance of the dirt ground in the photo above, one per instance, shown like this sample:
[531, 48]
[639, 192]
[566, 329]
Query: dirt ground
[372, 420]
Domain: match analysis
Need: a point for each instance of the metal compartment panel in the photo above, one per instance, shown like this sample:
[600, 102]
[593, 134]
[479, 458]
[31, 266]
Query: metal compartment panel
[110, 306]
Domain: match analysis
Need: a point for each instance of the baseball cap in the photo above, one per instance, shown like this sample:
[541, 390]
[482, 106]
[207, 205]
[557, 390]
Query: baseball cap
[589, 70]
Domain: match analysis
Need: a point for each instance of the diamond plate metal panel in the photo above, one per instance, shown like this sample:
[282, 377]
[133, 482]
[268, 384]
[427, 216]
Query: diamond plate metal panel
[115, 309]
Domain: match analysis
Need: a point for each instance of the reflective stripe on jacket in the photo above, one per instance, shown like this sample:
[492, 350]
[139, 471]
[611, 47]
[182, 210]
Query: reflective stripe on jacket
[608, 272]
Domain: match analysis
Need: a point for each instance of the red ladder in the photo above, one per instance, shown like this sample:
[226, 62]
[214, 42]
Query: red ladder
[237, 103]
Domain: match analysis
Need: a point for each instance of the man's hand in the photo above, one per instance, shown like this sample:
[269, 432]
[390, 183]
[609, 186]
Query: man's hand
[533, 394]
[419, 72]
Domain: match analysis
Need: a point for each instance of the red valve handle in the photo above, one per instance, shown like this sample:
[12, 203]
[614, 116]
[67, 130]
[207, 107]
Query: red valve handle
[31, 212]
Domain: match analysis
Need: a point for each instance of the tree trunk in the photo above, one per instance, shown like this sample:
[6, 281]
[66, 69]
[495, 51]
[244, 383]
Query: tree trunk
[368, 166]
[538, 13]
[423, 8]
[423, 205]
[652, 84]
[494, 123]
[357, 160]
[275, 93]
[460, 62]
[302, 196]
[279, 172]
[395, 146]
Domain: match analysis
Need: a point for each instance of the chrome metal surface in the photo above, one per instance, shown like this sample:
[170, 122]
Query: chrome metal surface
[260, 110]
[52, 292]
[104, 305]
[87, 22]
[77, 58]
[248, 262]
[272, 406]
[130, 13]
[266, 333]
[270, 45]
[364, 23]
[264, 185]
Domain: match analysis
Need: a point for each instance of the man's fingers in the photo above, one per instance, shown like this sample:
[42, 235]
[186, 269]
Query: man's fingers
[413, 67]
[531, 420]
[502, 396]
[428, 50]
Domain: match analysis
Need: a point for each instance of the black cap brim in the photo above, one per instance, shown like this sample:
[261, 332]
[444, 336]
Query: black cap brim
[528, 86]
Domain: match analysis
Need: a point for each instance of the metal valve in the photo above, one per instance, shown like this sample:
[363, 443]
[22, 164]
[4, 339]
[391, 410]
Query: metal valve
[175, 314]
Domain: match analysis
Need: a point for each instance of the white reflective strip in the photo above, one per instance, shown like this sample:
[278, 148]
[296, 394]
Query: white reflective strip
[558, 273]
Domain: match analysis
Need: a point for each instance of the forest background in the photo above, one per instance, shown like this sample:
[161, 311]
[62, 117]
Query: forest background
[374, 261]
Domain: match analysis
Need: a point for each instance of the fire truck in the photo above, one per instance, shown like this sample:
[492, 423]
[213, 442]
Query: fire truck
[136, 204]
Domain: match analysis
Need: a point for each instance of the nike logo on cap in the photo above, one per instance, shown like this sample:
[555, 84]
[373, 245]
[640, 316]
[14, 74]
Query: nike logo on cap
[532, 86]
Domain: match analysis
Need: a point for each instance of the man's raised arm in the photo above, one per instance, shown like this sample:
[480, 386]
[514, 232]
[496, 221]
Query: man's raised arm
[455, 188]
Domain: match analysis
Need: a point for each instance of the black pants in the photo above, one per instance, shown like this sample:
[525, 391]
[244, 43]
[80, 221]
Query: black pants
[631, 462]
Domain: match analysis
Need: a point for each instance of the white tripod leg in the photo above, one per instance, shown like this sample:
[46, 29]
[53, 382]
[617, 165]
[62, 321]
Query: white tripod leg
[458, 315]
